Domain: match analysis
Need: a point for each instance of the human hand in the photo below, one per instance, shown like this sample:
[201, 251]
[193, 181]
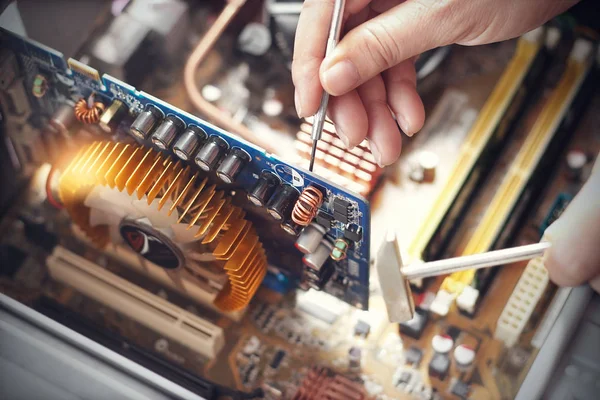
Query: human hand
[574, 257]
[371, 71]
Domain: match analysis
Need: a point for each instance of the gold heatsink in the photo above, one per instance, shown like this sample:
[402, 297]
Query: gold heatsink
[216, 232]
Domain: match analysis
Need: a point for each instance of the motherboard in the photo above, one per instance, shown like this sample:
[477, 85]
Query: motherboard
[150, 226]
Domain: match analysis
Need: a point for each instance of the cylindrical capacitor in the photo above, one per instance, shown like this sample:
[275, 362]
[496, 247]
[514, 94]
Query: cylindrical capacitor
[145, 122]
[210, 154]
[310, 237]
[290, 227]
[63, 118]
[281, 203]
[464, 356]
[186, 145]
[317, 259]
[232, 165]
[112, 116]
[442, 344]
[263, 189]
[167, 131]
[576, 161]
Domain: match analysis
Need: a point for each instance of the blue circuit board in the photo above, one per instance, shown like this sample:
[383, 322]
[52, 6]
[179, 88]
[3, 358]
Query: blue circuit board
[350, 281]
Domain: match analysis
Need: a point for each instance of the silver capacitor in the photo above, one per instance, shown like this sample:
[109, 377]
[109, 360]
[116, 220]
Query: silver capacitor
[188, 142]
[317, 259]
[145, 122]
[167, 131]
[63, 118]
[210, 154]
[232, 165]
[310, 238]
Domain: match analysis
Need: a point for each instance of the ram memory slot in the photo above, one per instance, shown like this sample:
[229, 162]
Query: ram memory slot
[502, 108]
[541, 139]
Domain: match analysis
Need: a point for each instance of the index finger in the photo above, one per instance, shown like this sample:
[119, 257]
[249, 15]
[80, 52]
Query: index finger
[309, 50]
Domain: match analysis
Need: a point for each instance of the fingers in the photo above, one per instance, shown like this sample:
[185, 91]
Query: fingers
[381, 42]
[384, 137]
[309, 50]
[350, 118]
[402, 96]
[574, 257]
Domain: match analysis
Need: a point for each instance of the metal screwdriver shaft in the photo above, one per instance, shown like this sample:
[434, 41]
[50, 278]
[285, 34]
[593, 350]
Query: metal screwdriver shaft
[394, 277]
[332, 40]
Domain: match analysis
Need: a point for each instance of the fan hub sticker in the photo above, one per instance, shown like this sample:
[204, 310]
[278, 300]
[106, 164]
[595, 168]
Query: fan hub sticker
[151, 244]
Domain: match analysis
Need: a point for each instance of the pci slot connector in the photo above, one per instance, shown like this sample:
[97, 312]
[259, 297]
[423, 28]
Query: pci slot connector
[149, 310]
[482, 145]
[461, 285]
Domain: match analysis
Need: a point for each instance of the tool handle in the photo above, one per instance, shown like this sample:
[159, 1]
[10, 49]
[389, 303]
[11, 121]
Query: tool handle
[475, 261]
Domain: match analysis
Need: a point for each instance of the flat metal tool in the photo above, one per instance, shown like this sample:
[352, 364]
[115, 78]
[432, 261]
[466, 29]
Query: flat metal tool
[394, 277]
[332, 41]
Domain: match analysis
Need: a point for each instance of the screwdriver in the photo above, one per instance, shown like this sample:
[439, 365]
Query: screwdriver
[332, 41]
[394, 277]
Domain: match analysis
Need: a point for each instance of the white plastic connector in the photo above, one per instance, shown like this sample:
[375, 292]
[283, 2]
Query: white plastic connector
[582, 50]
[535, 35]
[552, 37]
[468, 299]
[136, 303]
[522, 302]
[441, 304]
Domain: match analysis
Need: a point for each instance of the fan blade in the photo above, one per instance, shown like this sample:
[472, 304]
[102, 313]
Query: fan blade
[158, 219]
[111, 201]
[182, 234]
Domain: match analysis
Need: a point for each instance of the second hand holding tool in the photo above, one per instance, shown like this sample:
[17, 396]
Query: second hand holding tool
[332, 41]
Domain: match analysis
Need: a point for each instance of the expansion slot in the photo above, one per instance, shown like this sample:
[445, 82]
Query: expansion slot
[136, 303]
[482, 144]
[521, 170]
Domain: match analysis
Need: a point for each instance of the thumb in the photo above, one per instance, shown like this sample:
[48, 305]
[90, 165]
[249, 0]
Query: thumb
[574, 257]
[384, 41]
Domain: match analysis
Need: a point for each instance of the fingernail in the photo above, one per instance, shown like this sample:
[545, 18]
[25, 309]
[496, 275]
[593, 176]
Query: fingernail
[298, 104]
[343, 137]
[376, 153]
[404, 124]
[340, 78]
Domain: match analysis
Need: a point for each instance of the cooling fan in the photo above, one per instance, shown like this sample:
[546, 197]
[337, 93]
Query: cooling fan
[167, 213]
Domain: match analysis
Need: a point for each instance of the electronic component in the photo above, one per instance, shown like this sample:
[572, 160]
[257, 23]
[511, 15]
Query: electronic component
[453, 331]
[291, 227]
[415, 327]
[277, 359]
[322, 383]
[460, 389]
[112, 116]
[353, 233]
[263, 189]
[439, 366]
[188, 142]
[467, 299]
[167, 131]
[324, 219]
[209, 155]
[63, 118]
[558, 207]
[341, 209]
[40, 86]
[251, 346]
[428, 163]
[136, 303]
[145, 122]
[88, 111]
[519, 307]
[362, 328]
[404, 378]
[576, 161]
[281, 202]
[232, 165]
[354, 358]
[354, 169]
[317, 259]
[414, 355]
[307, 205]
[340, 248]
[464, 356]
[442, 344]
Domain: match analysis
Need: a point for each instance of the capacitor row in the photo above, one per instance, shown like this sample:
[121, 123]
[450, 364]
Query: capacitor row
[191, 142]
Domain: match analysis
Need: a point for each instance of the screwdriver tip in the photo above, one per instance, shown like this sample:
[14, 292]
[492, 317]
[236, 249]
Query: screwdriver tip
[313, 152]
